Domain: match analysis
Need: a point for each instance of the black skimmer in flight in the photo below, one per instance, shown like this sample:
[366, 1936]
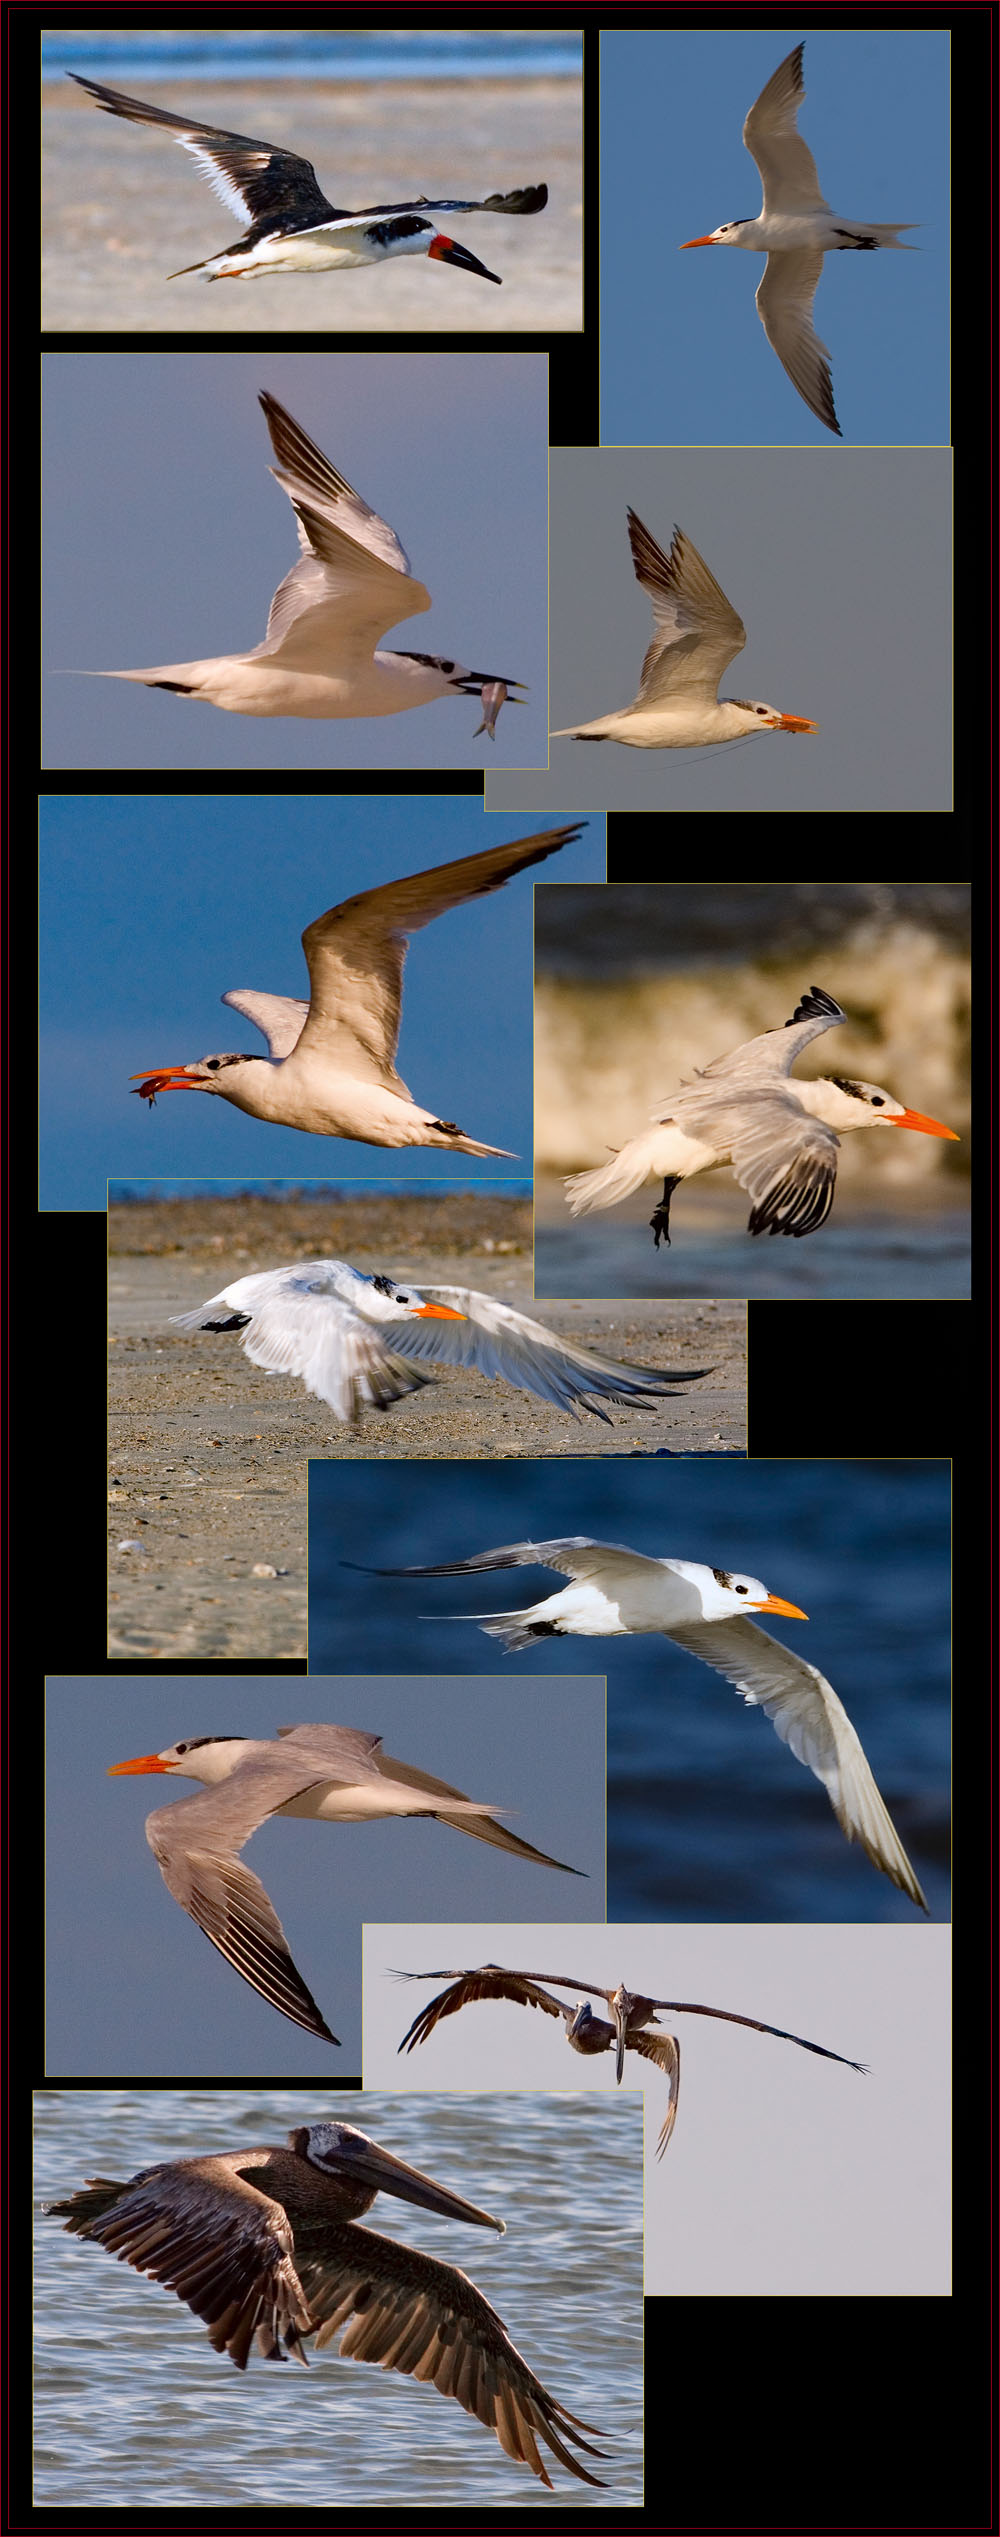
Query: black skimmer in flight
[292, 228]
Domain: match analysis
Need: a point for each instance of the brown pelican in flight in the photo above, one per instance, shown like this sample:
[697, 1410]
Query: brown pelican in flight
[334, 1774]
[262, 2242]
[631, 2012]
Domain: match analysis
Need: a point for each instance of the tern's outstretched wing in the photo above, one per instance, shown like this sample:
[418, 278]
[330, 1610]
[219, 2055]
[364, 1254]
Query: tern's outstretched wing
[356, 951]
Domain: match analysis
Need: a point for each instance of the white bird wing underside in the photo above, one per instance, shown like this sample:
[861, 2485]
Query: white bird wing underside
[772, 1052]
[697, 632]
[785, 297]
[804, 1710]
[505, 1344]
[301, 1325]
[354, 579]
[769, 1137]
[355, 952]
[787, 168]
[281, 1018]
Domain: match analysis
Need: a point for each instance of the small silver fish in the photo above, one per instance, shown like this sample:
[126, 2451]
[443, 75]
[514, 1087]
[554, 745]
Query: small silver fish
[492, 696]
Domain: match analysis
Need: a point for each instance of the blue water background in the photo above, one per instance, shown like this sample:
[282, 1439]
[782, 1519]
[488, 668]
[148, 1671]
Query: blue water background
[363, 53]
[710, 1818]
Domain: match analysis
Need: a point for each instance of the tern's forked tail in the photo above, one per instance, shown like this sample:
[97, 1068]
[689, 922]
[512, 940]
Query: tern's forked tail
[616, 1179]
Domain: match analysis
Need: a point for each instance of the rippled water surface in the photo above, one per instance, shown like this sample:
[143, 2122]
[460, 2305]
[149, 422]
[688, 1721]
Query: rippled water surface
[133, 2408]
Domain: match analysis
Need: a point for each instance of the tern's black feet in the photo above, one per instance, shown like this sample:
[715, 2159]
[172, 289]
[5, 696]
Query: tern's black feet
[660, 1218]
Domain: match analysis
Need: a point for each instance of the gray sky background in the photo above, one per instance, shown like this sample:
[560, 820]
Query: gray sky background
[785, 2174]
[838, 563]
[134, 1988]
[165, 539]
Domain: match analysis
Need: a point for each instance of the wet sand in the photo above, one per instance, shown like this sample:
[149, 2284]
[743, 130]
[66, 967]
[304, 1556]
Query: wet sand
[124, 207]
[207, 1475]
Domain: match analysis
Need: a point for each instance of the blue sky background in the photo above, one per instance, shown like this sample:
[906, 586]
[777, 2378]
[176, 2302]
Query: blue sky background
[684, 356]
[165, 539]
[133, 1986]
[152, 906]
[839, 566]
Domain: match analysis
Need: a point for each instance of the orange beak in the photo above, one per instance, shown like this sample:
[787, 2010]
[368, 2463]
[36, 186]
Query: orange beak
[794, 722]
[142, 1762]
[439, 1312]
[773, 1604]
[928, 1127]
[696, 242]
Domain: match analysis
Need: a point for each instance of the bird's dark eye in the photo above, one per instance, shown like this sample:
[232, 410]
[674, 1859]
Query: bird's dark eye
[181, 1748]
[402, 1299]
[447, 667]
[213, 1064]
[877, 1101]
[760, 709]
[741, 1589]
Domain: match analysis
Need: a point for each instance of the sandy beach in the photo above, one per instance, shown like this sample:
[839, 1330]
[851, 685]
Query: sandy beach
[208, 1454]
[124, 207]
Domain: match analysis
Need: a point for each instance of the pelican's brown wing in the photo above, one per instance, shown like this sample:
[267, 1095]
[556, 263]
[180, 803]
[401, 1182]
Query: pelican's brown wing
[405, 2311]
[209, 2235]
[490, 1982]
[666, 2052]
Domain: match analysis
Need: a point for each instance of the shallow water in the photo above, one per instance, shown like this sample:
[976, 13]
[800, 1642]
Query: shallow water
[133, 2408]
[920, 1256]
[365, 53]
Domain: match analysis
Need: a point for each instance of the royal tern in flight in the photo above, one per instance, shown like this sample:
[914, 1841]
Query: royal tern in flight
[319, 660]
[795, 228]
[631, 2013]
[617, 1592]
[695, 636]
[331, 1066]
[329, 1774]
[263, 2243]
[293, 229]
[778, 1132]
[353, 1339]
